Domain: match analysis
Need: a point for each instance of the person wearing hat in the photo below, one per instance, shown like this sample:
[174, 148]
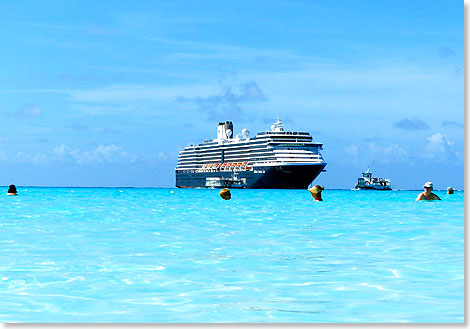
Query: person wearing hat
[427, 194]
[316, 192]
[225, 194]
[450, 190]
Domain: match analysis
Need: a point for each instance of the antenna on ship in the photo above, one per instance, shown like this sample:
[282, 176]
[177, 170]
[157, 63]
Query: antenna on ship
[277, 126]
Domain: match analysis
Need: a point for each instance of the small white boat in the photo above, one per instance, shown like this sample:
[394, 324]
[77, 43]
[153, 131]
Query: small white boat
[231, 182]
[367, 182]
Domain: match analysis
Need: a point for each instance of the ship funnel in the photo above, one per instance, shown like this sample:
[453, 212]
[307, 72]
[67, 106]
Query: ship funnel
[225, 130]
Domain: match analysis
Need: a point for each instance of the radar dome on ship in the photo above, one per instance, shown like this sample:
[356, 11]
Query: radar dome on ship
[245, 133]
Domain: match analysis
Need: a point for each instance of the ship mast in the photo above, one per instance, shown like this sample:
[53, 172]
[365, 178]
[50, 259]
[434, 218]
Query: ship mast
[277, 126]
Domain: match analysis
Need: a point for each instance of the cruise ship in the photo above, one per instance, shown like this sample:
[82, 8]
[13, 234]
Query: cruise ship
[272, 159]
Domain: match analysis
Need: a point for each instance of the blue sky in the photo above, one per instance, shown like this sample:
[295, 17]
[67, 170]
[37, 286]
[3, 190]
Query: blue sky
[107, 93]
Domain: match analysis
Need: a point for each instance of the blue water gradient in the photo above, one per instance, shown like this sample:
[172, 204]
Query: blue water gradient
[150, 255]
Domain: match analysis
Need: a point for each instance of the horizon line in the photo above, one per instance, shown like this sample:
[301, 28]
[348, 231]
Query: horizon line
[201, 188]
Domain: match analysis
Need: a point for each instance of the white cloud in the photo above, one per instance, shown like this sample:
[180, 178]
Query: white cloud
[30, 111]
[127, 93]
[61, 150]
[306, 83]
[385, 91]
[21, 157]
[291, 82]
[439, 148]
[194, 50]
[37, 158]
[352, 150]
[162, 156]
[391, 151]
[367, 153]
[136, 99]
[102, 154]
[228, 103]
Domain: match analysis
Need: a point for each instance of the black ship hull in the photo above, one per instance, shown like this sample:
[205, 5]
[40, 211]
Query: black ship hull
[269, 177]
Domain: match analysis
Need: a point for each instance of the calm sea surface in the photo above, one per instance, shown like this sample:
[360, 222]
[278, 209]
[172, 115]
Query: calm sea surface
[150, 255]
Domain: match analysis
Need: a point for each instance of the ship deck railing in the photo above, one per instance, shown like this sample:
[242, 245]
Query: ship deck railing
[283, 133]
[225, 169]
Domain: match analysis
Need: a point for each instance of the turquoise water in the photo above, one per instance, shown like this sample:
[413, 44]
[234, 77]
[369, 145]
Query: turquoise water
[149, 255]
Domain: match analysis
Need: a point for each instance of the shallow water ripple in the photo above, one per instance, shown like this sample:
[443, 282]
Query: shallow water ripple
[148, 255]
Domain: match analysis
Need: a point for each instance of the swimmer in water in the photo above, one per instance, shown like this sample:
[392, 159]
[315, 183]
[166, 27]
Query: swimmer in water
[225, 194]
[427, 194]
[12, 190]
[316, 192]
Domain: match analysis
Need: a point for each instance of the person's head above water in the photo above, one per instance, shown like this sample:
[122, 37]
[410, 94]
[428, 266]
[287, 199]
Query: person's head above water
[316, 192]
[427, 194]
[12, 190]
[225, 194]
[428, 185]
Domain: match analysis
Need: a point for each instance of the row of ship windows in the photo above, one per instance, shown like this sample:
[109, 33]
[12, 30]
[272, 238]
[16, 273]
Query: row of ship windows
[208, 153]
[250, 143]
[235, 157]
[217, 160]
[197, 166]
[283, 133]
[232, 149]
[296, 159]
[260, 149]
[238, 149]
[251, 155]
[243, 158]
[216, 144]
[200, 161]
[242, 148]
[247, 154]
[218, 153]
[234, 152]
[255, 147]
[268, 136]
